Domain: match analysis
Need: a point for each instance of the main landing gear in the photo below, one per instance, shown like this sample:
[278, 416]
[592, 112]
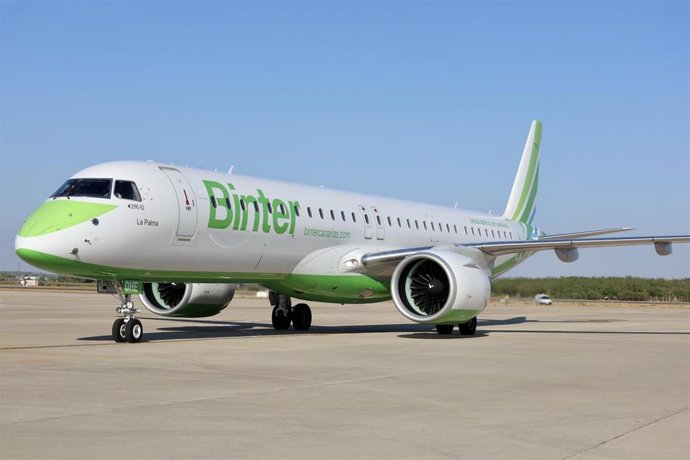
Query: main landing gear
[468, 328]
[127, 328]
[284, 313]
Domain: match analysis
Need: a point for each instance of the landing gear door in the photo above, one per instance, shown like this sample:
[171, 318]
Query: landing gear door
[368, 230]
[380, 229]
[186, 204]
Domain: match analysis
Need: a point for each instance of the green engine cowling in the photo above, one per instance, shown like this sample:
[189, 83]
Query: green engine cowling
[186, 300]
[440, 287]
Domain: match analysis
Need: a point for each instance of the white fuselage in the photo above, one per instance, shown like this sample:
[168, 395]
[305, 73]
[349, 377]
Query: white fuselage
[200, 225]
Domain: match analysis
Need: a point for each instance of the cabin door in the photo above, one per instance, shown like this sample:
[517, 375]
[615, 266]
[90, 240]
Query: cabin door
[378, 221]
[186, 204]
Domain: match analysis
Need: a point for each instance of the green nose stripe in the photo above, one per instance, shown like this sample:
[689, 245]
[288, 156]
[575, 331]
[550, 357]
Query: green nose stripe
[53, 216]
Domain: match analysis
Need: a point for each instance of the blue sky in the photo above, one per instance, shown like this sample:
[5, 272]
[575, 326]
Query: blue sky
[428, 101]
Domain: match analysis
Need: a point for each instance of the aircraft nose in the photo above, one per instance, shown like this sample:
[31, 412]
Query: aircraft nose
[53, 216]
[37, 242]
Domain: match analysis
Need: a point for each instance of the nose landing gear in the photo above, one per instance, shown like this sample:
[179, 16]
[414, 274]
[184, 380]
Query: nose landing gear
[127, 328]
[284, 313]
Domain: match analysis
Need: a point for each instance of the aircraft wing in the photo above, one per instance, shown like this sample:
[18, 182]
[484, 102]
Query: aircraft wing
[662, 244]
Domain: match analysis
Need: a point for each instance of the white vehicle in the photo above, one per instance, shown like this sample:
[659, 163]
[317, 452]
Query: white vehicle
[181, 237]
[542, 299]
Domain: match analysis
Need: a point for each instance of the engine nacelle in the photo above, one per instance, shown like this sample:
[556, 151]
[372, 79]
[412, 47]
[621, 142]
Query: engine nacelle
[186, 300]
[440, 287]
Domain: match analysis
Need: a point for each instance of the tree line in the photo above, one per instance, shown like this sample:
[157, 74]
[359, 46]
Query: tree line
[612, 288]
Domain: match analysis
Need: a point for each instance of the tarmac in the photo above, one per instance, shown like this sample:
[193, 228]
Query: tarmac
[556, 382]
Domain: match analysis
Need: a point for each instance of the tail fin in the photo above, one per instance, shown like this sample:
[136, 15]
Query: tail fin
[522, 202]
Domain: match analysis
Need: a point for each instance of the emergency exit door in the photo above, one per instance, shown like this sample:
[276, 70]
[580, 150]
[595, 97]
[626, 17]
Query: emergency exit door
[368, 231]
[186, 204]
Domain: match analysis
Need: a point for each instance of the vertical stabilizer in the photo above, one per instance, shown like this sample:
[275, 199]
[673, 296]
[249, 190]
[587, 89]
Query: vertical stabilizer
[522, 202]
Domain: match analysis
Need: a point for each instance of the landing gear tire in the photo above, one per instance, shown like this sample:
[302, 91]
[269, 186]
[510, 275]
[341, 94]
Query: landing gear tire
[134, 331]
[280, 319]
[468, 328]
[444, 329]
[301, 317]
[119, 330]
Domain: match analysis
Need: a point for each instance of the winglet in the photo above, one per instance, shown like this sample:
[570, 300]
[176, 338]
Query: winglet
[521, 205]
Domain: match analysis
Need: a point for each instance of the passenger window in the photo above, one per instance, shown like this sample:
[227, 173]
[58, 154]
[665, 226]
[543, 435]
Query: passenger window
[416, 224]
[342, 214]
[321, 212]
[366, 218]
[297, 211]
[256, 206]
[283, 209]
[472, 228]
[309, 211]
[432, 226]
[332, 215]
[270, 208]
[213, 202]
[354, 218]
[227, 202]
[399, 224]
[424, 223]
[127, 190]
[378, 219]
[492, 234]
[390, 223]
[408, 224]
[243, 205]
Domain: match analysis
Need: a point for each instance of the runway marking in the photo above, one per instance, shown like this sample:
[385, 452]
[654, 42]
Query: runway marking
[626, 433]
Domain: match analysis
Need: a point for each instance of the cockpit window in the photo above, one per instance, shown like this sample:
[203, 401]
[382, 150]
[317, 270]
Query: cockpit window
[127, 190]
[96, 188]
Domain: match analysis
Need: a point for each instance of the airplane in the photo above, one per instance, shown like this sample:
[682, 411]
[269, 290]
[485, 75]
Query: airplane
[182, 238]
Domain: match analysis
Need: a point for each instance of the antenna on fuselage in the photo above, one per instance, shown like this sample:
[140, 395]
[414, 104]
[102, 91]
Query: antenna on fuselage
[231, 169]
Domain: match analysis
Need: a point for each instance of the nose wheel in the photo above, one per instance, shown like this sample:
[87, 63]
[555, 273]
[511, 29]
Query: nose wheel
[128, 331]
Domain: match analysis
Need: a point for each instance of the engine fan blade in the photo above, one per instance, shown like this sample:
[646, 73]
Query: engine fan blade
[428, 288]
[171, 293]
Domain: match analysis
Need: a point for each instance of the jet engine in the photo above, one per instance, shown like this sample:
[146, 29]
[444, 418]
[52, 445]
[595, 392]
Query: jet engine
[440, 287]
[186, 300]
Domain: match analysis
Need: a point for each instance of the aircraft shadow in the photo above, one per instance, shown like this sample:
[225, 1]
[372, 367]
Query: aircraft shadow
[200, 329]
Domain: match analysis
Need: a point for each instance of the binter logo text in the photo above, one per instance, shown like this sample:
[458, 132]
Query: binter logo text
[249, 212]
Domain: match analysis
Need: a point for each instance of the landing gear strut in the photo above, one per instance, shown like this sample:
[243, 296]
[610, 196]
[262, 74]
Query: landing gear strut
[127, 328]
[284, 313]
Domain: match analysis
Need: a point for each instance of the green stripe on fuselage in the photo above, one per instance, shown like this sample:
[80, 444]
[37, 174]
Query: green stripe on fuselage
[325, 288]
